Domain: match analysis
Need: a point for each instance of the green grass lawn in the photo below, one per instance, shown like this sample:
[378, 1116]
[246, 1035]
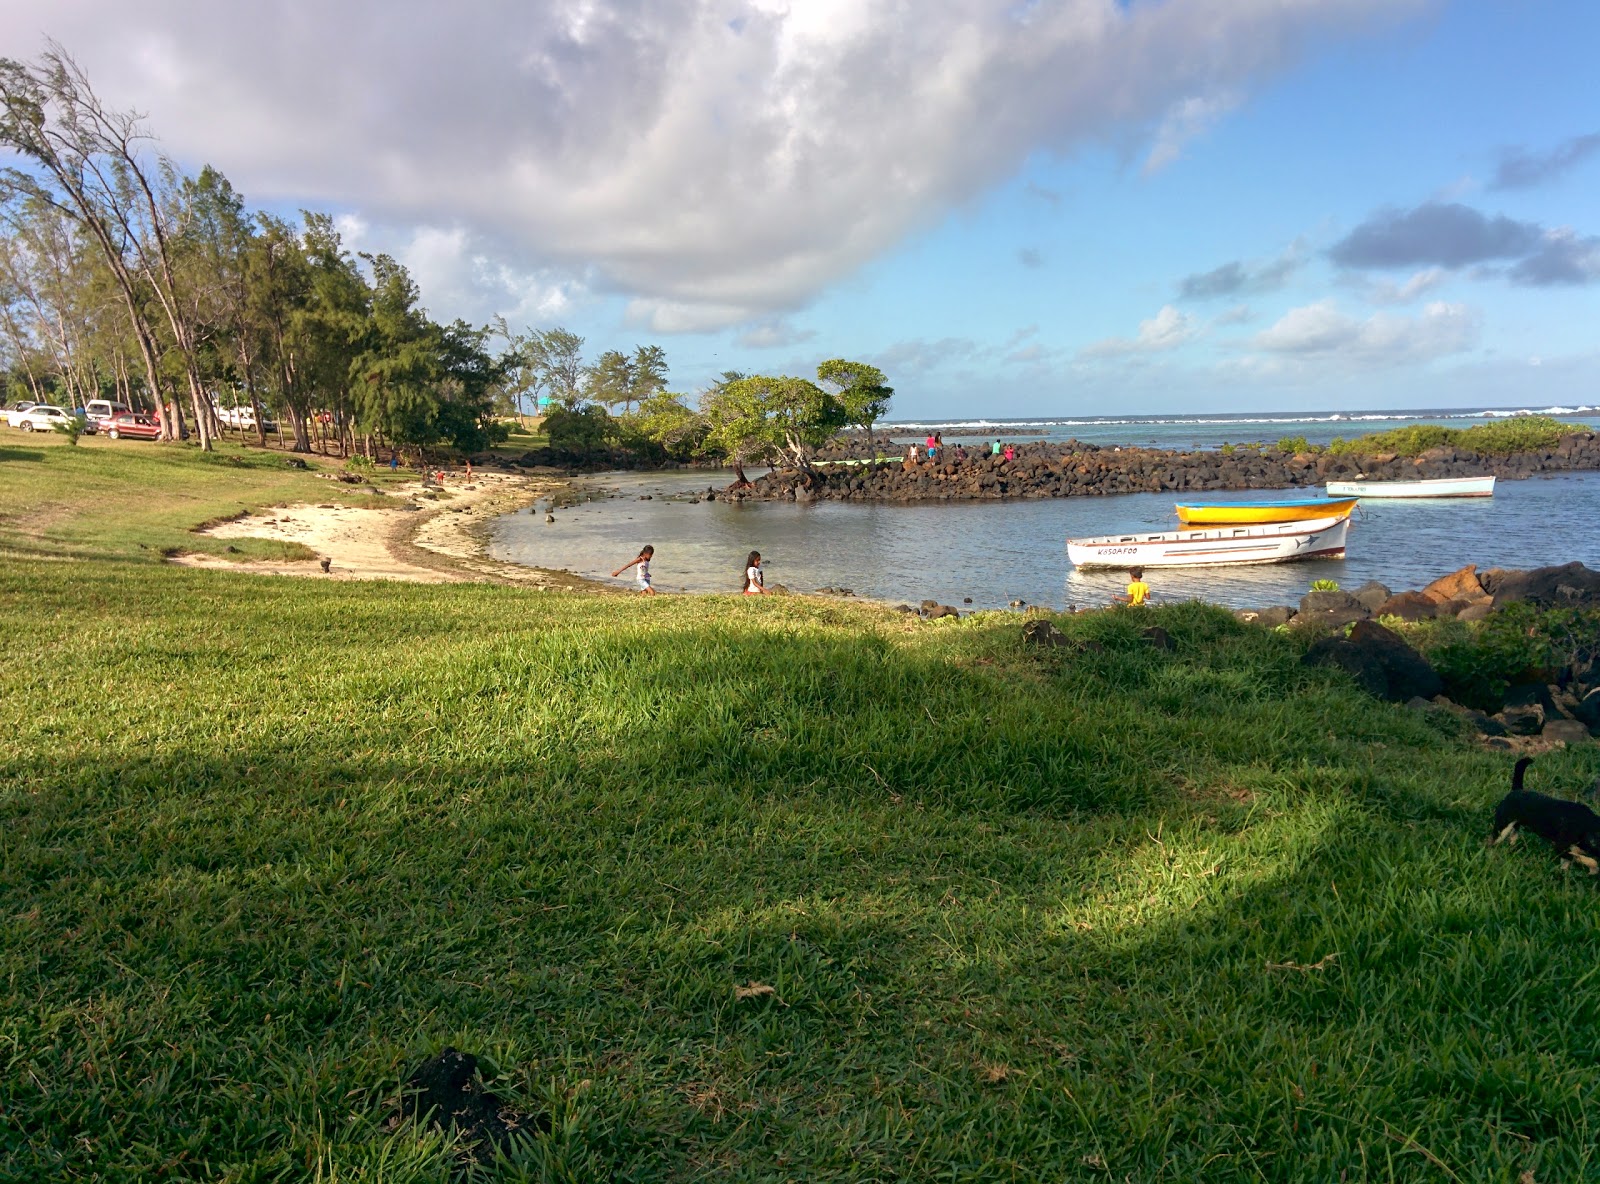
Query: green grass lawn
[138, 500]
[1122, 915]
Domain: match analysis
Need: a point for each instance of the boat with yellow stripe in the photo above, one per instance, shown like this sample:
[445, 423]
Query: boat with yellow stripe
[1258, 513]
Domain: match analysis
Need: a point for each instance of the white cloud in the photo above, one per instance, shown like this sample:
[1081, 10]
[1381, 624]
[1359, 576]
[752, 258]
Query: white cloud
[1187, 120]
[773, 334]
[1417, 285]
[716, 161]
[1321, 330]
[459, 275]
[1167, 330]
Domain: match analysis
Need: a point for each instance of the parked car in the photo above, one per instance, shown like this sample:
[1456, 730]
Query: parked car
[15, 411]
[132, 425]
[39, 418]
[97, 411]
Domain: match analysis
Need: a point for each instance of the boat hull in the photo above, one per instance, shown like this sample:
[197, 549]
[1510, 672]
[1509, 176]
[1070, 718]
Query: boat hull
[1287, 542]
[1439, 487]
[1258, 513]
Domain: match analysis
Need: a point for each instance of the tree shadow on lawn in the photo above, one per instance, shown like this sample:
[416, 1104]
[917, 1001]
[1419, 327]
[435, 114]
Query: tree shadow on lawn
[980, 951]
[1027, 996]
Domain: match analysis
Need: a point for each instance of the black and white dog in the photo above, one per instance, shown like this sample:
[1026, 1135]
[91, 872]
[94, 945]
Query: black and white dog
[1570, 827]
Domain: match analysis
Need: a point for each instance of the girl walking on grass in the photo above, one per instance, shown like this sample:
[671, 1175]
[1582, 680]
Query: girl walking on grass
[643, 574]
[755, 584]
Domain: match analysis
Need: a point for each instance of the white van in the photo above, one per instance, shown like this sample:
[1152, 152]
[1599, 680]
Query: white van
[97, 411]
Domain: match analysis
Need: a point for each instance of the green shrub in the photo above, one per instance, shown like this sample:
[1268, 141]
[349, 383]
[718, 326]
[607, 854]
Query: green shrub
[1295, 444]
[1324, 585]
[72, 429]
[1514, 644]
[585, 430]
[1407, 441]
[357, 463]
[1521, 433]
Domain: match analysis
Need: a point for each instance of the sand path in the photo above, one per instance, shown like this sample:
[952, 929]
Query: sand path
[421, 540]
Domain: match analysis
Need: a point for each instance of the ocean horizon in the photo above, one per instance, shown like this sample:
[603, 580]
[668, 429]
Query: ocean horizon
[1205, 430]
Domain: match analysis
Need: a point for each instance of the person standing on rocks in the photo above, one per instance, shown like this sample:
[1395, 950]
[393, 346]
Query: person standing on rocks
[755, 584]
[994, 449]
[646, 553]
[910, 461]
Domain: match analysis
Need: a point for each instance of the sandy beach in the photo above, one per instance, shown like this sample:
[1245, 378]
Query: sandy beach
[430, 536]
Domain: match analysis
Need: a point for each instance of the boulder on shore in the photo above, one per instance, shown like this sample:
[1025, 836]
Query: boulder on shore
[1461, 584]
[1570, 585]
[1380, 661]
[1408, 606]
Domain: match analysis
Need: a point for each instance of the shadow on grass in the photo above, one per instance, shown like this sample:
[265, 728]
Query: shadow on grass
[779, 894]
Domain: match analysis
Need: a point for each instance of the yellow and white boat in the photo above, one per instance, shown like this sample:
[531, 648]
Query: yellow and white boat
[1261, 513]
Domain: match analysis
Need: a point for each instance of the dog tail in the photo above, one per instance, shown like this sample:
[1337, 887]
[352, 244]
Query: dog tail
[1516, 773]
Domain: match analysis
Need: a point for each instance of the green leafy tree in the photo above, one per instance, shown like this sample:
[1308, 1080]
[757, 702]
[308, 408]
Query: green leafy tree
[554, 358]
[665, 420]
[467, 389]
[330, 325]
[861, 390]
[769, 419]
[610, 379]
[649, 366]
[396, 375]
[581, 431]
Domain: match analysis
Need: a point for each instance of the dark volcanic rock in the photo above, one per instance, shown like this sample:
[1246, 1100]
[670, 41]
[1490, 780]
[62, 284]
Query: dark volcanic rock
[1327, 602]
[1278, 614]
[1571, 585]
[1568, 731]
[1372, 594]
[445, 1092]
[1159, 638]
[1408, 606]
[1380, 661]
[1522, 721]
[1044, 634]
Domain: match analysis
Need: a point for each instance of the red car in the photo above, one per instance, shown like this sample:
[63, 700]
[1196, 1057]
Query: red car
[131, 425]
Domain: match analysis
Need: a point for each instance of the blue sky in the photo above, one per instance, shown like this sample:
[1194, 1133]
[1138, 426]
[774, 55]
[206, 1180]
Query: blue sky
[1016, 209]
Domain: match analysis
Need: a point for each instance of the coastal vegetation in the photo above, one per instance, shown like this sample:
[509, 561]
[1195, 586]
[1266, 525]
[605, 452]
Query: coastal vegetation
[1498, 437]
[789, 888]
[122, 277]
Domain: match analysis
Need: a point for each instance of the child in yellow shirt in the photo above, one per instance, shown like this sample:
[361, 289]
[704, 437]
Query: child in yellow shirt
[1138, 591]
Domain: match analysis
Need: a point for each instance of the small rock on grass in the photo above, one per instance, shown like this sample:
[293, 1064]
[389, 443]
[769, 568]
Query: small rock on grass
[446, 1091]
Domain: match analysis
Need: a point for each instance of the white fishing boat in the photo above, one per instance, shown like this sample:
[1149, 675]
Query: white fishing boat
[1437, 487]
[1277, 542]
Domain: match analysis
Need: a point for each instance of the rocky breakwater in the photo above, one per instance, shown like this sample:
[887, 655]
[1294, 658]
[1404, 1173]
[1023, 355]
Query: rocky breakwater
[1075, 469]
[1555, 699]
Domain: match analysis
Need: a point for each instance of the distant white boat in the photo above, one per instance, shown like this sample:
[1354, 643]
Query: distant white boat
[1278, 542]
[1440, 487]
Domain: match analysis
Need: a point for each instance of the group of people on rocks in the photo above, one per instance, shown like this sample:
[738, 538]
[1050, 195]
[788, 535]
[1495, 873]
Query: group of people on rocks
[933, 450]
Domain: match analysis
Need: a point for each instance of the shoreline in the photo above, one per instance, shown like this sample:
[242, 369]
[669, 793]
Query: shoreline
[440, 540]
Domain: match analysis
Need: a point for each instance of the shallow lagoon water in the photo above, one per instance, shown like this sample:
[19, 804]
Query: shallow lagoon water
[997, 552]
